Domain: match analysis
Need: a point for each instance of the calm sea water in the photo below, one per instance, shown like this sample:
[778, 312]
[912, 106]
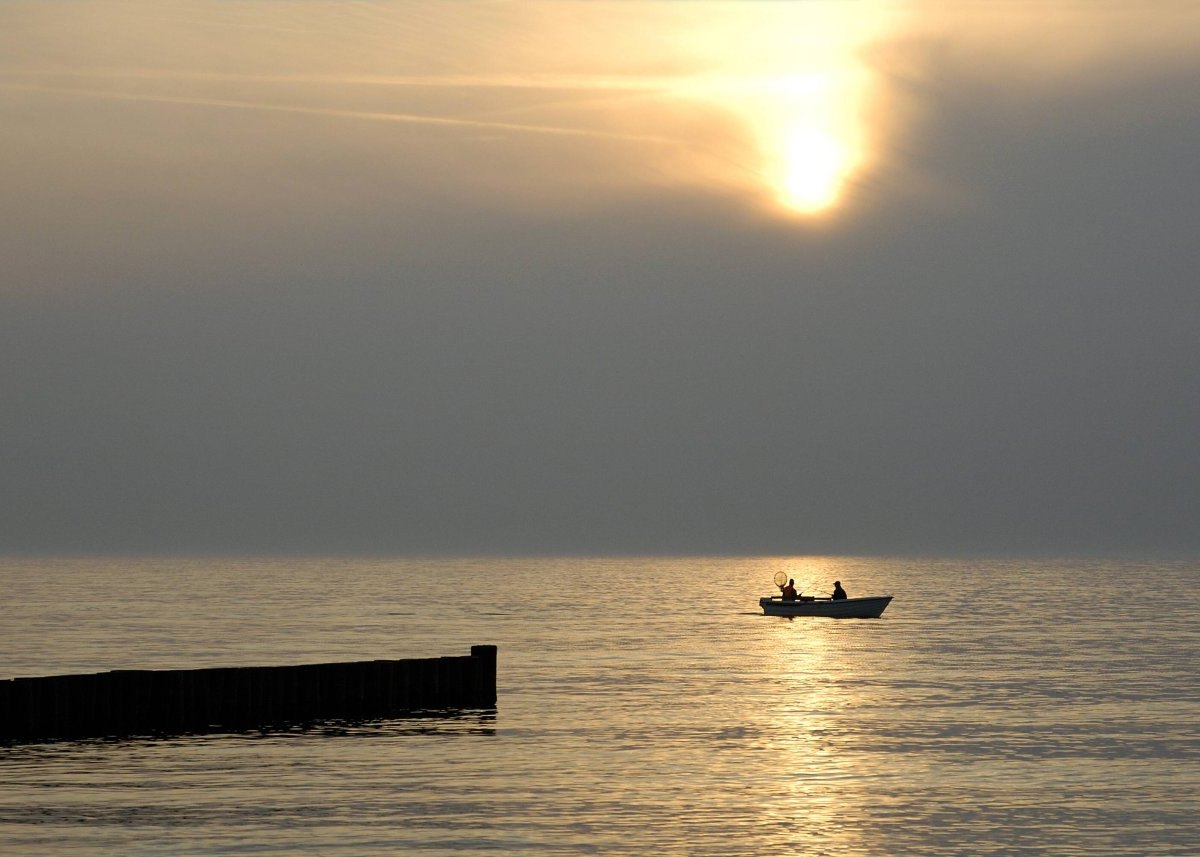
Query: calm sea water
[644, 706]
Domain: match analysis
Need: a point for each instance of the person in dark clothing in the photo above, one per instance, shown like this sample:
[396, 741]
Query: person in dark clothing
[789, 590]
[838, 592]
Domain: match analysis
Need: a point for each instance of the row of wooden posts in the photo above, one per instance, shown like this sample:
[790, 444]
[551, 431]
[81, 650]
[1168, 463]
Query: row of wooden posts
[157, 702]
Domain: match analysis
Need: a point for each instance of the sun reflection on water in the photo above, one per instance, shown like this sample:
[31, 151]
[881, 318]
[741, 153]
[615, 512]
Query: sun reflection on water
[823, 772]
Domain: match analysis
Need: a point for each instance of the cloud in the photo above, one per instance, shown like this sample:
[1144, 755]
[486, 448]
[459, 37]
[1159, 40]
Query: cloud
[373, 116]
[246, 309]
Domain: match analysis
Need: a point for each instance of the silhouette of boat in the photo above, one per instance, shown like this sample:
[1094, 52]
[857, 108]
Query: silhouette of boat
[868, 607]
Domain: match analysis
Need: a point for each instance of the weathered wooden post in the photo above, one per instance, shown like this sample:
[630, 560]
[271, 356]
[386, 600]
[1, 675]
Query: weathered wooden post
[451, 679]
[163, 701]
[487, 679]
[402, 684]
[186, 713]
[255, 711]
[424, 683]
[203, 682]
[192, 687]
[433, 688]
[269, 687]
[286, 679]
[224, 697]
[378, 687]
[35, 715]
[308, 692]
[22, 706]
[83, 705]
[102, 722]
[125, 702]
[333, 691]
[7, 721]
[55, 699]
[356, 686]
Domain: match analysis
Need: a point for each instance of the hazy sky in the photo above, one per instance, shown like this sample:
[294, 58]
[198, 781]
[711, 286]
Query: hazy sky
[738, 277]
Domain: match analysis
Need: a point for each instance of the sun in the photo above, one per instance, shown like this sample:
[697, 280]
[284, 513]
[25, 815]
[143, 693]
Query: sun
[809, 138]
[803, 138]
[813, 169]
[795, 78]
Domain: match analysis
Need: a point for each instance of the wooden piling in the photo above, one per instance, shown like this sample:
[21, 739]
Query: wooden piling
[485, 687]
[7, 726]
[150, 702]
[402, 683]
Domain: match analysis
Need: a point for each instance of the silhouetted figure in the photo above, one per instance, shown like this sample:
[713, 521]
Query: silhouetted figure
[789, 590]
[838, 592]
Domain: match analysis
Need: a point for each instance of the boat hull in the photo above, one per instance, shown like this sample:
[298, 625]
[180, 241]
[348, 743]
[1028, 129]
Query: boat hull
[870, 607]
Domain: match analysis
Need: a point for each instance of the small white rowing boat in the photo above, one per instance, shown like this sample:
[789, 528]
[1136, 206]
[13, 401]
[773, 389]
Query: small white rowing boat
[870, 607]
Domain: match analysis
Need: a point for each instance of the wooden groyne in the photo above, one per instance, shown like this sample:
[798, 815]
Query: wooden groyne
[158, 702]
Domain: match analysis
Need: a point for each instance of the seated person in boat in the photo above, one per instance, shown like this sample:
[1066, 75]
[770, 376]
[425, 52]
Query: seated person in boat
[838, 592]
[789, 590]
